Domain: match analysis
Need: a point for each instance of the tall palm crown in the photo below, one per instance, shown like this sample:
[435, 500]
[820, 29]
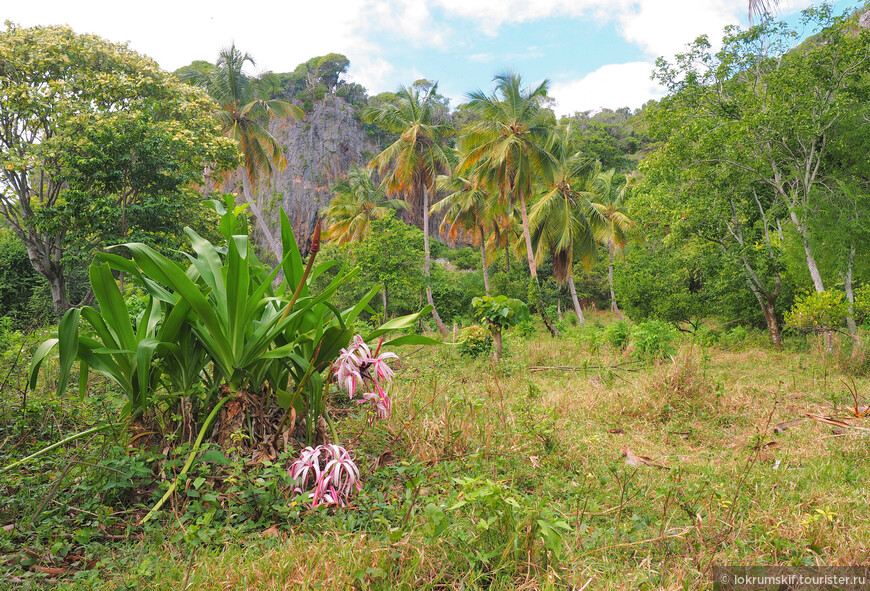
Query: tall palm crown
[411, 164]
[564, 222]
[508, 144]
[357, 202]
[245, 112]
[465, 207]
[609, 201]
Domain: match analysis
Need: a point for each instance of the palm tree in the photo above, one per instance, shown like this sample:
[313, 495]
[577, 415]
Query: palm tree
[610, 203]
[564, 223]
[358, 201]
[244, 115]
[466, 208]
[761, 8]
[411, 164]
[507, 147]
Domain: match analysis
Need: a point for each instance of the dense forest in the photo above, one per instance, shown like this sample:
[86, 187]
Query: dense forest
[451, 341]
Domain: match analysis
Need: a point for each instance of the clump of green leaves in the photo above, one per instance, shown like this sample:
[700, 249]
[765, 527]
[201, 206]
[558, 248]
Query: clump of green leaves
[654, 339]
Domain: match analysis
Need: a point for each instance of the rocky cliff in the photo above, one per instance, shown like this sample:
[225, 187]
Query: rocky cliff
[319, 148]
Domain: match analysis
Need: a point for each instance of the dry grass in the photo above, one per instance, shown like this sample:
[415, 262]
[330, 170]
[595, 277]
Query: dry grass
[736, 491]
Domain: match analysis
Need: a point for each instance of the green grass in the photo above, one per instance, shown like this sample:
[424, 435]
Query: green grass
[492, 476]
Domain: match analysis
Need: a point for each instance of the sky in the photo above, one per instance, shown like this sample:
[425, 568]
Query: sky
[596, 53]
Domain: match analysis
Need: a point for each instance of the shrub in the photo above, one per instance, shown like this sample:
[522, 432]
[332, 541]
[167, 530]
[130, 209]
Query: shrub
[654, 339]
[618, 334]
[475, 341]
[818, 311]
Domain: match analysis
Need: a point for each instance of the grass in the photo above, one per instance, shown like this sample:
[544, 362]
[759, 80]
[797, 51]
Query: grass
[491, 476]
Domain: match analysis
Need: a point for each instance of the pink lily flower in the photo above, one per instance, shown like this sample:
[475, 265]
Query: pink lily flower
[356, 365]
[335, 480]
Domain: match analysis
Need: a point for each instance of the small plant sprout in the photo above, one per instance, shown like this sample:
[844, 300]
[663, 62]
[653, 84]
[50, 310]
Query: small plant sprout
[327, 473]
[498, 313]
[358, 367]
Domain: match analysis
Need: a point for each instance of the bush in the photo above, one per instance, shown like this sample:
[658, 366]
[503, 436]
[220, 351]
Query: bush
[475, 341]
[465, 258]
[618, 334]
[818, 311]
[654, 339]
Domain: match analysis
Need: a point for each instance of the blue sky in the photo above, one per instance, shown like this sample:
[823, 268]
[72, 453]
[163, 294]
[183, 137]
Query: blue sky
[597, 53]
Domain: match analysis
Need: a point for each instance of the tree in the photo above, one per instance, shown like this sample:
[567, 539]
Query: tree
[357, 203]
[563, 221]
[93, 134]
[412, 162]
[610, 203]
[245, 110]
[390, 256]
[773, 111]
[465, 208]
[507, 146]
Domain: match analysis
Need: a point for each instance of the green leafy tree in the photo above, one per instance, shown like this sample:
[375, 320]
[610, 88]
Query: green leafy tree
[90, 132]
[390, 257]
[773, 110]
[412, 163]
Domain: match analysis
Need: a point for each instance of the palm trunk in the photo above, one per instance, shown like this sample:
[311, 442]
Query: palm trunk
[613, 305]
[385, 300]
[574, 300]
[263, 226]
[507, 256]
[533, 270]
[483, 260]
[426, 262]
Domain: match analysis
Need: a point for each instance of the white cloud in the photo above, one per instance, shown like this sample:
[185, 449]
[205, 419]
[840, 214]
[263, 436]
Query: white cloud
[612, 86]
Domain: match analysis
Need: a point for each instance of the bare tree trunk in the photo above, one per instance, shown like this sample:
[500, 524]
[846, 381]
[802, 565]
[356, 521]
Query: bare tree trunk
[811, 260]
[613, 305]
[384, 300]
[262, 224]
[559, 308]
[850, 294]
[44, 264]
[532, 268]
[483, 260]
[426, 262]
[507, 255]
[577, 309]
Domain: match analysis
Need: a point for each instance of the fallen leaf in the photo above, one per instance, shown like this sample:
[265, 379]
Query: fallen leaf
[9, 527]
[616, 431]
[835, 422]
[49, 570]
[636, 461]
[271, 531]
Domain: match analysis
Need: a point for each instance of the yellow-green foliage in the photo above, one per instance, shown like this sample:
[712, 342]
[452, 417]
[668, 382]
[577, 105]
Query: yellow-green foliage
[814, 311]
